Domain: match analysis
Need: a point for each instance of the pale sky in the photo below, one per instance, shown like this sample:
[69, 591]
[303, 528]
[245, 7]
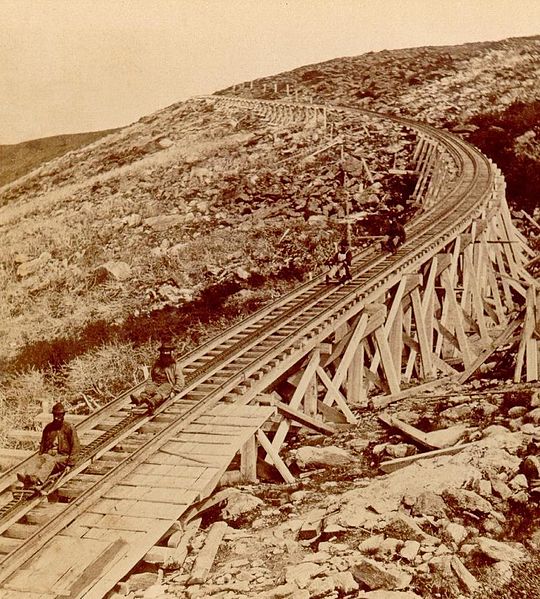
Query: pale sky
[68, 66]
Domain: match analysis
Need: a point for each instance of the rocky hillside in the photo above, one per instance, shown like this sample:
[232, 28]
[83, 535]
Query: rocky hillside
[193, 217]
[487, 92]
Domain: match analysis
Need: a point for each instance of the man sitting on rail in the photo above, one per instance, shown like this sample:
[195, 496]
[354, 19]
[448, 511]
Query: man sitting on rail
[340, 270]
[58, 450]
[395, 235]
[166, 377]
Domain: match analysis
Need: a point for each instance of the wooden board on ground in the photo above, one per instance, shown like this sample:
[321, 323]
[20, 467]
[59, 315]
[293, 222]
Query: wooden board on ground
[205, 558]
[398, 463]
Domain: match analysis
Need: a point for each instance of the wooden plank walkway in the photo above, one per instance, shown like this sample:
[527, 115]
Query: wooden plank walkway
[105, 542]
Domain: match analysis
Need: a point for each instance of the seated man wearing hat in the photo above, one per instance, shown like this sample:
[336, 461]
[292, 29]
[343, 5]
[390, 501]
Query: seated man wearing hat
[58, 450]
[166, 377]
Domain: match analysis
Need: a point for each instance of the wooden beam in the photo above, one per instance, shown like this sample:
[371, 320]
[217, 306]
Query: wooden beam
[381, 401]
[457, 320]
[502, 339]
[335, 395]
[303, 384]
[248, 460]
[415, 434]
[313, 423]
[348, 355]
[398, 463]
[178, 554]
[205, 558]
[392, 376]
[278, 462]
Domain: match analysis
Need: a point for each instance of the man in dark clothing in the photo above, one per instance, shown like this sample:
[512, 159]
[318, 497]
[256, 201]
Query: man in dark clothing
[395, 235]
[166, 377]
[58, 450]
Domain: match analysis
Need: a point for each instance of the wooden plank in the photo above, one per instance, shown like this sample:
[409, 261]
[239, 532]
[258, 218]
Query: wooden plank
[398, 463]
[74, 531]
[131, 507]
[152, 494]
[117, 569]
[189, 450]
[207, 437]
[257, 413]
[409, 430]
[221, 430]
[179, 470]
[229, 419]
[305, 420]
[205, 558]
[117, 522]
[166, 482]
[43, 570]
[91, 571]
[9, 594]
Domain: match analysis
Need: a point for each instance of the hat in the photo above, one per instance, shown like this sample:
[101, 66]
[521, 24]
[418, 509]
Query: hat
[166, 346]
[58, 408]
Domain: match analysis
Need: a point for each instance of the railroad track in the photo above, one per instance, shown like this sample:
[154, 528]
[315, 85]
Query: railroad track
[237, 365]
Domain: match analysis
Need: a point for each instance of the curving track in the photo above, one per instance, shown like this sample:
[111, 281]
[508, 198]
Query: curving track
[237, 365]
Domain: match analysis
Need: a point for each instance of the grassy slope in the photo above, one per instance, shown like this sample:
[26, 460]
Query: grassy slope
[16, 160]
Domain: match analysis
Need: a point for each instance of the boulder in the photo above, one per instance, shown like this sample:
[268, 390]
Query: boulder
[456, 532]
[322, 456]
[32, 266]
[429, 504]
[118, 270]
[377, 575]
[239, 503]
[463, 500]
[410, 550]
[163, 222]
[499, 551]
[301, 574]
[344, 582]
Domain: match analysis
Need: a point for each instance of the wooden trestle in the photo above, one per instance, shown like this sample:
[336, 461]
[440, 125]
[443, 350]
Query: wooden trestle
[442, 306]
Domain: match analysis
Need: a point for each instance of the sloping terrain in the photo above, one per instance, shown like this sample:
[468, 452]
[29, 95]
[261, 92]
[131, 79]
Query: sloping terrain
[192, 217]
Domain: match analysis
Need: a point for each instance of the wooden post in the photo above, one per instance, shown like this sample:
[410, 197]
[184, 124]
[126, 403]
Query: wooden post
[248, 460]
